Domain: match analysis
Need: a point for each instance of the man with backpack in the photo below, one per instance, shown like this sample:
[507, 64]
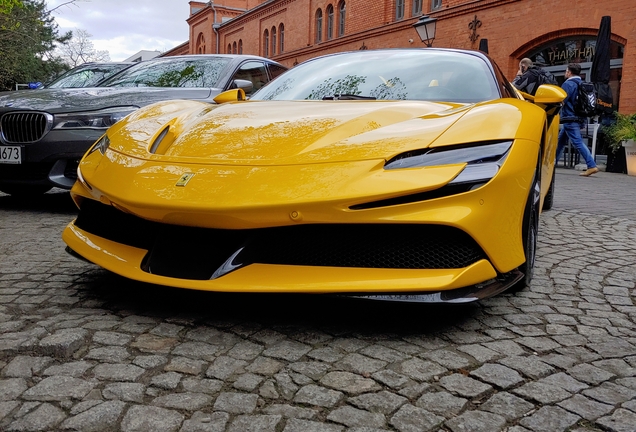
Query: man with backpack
[530, 77]
[571, 122]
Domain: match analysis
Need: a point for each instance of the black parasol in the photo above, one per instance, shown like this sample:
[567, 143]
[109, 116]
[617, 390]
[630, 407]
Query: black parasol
[600, 75]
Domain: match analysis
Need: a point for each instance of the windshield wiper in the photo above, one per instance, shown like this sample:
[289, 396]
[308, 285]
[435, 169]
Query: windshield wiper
[348, 97]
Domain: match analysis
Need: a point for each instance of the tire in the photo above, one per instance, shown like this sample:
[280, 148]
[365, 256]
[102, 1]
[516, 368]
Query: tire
[25, 191]
[549, 198]
[530, 230]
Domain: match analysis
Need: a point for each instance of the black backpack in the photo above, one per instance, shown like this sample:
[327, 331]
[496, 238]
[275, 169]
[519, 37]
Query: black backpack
[541, 77]
[545, 77]
[585, 102]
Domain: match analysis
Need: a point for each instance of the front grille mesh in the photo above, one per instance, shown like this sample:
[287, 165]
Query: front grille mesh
[25, 127]
[195, 253]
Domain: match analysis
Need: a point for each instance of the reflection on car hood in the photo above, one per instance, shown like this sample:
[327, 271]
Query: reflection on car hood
[83, 99]
[274, 133]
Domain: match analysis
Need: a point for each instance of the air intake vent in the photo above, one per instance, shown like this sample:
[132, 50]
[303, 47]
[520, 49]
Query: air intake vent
[23, 127]
[195, 253]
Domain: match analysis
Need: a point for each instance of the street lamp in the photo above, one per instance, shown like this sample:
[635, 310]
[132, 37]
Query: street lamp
[425, 27]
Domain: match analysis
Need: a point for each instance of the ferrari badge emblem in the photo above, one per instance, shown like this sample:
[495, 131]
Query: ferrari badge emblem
[184, 179]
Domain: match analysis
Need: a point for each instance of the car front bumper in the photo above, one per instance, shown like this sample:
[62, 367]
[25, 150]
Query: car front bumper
[53, 160]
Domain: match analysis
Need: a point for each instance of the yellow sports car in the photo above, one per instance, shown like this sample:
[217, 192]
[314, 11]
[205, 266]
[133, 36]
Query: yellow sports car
[408, 174]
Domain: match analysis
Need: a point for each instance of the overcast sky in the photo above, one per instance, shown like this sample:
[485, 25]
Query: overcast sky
[124, 27]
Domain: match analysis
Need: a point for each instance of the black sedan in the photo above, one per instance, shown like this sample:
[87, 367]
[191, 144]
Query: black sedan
[87, 75]
[44, 133]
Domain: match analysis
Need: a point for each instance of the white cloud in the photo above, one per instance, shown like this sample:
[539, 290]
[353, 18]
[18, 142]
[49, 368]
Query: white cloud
[124, 27]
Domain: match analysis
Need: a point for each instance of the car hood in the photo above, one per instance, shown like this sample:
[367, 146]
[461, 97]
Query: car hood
[94, 98]
[297, 132]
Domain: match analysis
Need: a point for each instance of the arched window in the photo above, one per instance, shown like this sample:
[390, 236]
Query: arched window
[341, 18]
[329, 22]
[554, 56]
[417, 8]
[399, 10]
[229, 48]
[266, 43]
[281, 38]
[319, 26]
[234, 48]
[200, 47]
[240, 46]
[273, 41]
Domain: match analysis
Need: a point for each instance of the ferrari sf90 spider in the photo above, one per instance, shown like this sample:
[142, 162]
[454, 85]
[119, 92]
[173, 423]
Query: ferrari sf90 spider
[411, 174]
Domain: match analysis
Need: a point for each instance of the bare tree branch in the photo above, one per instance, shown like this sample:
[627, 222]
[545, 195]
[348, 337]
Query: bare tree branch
[80, 50]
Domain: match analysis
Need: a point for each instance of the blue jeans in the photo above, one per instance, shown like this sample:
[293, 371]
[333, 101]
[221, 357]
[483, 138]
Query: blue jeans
[572, 132]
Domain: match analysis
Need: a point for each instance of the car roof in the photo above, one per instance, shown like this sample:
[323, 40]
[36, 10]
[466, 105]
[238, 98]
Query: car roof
[481, 54]
[199, 56]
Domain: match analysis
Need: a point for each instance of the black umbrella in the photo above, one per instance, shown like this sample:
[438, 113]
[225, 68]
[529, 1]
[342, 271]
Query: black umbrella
[483, 45]
[600, 75]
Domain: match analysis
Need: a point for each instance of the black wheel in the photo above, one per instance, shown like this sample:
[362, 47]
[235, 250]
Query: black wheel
[549, 197]
[25, 191]
[530, 230]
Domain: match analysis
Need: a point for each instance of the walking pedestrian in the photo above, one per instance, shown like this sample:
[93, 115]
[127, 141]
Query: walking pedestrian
[570, 123]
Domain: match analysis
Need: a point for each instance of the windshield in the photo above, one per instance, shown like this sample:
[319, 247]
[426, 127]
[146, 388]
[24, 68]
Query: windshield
[418, 74]
[86, 76]
[188, 72]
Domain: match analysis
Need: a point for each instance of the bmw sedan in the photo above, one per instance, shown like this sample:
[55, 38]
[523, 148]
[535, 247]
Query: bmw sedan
[44, 133]
[87, 75]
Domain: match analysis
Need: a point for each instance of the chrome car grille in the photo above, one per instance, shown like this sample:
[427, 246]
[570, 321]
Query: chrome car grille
[196, 253]
[23, 127]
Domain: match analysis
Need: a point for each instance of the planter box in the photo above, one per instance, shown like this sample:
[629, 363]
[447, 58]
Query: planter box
[630, 156]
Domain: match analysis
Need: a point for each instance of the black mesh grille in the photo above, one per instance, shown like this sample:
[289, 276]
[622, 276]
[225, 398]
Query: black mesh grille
[195, 253]
[25, 127]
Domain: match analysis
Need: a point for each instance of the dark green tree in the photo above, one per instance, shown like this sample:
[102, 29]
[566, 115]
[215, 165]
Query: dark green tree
[28, 36]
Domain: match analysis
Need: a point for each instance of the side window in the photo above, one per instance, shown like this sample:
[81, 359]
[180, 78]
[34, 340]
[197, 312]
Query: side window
[275, 70]
[253, 71]
[505, 87]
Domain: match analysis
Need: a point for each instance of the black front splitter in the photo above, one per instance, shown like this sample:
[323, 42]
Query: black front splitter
[461, 295]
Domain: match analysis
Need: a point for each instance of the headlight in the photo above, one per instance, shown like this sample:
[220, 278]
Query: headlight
[101, 145]
[483, 161]
[100, 119]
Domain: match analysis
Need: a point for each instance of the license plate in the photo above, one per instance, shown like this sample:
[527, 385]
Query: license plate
[10, 155]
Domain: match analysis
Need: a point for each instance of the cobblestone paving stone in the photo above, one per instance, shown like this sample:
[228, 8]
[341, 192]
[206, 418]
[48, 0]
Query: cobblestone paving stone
[82, 349]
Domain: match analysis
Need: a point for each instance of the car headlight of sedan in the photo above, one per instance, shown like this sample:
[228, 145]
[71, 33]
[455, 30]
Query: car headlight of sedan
[482, 161]
[100, 119]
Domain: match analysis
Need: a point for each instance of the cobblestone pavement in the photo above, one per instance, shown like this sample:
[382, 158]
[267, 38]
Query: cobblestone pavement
[82, 349]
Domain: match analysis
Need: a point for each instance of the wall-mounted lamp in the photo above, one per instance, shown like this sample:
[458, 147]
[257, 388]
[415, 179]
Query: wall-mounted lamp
[425, 28]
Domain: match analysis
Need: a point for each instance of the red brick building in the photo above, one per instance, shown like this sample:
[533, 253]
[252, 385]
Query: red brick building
[290, 31]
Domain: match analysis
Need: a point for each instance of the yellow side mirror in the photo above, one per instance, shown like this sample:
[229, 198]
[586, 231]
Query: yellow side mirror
[233, 95]
[549, 94]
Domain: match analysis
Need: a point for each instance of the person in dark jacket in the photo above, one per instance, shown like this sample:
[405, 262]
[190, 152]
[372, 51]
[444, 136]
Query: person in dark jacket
[570, 123]
[527, 79]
